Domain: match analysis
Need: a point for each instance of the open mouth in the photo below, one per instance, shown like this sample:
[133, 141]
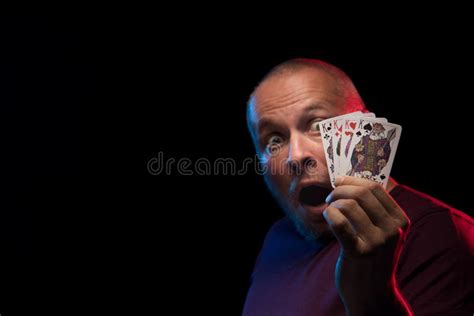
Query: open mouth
[313, 195]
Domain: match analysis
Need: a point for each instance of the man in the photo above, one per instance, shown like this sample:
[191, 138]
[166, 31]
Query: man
[358, 249]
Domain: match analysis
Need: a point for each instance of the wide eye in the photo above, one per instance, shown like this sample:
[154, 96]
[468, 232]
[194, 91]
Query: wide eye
[314, 127]
[273, 144]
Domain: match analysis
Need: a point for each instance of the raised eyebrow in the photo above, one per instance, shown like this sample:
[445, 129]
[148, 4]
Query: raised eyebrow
[264, 124]
[309, 110]
[314, 107]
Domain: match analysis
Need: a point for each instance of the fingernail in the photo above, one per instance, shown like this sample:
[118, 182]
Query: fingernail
[325, 214]
[328, 198]
[339, 180]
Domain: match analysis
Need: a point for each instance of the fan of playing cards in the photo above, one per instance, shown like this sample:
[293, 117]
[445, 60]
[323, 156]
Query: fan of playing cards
[360, 145]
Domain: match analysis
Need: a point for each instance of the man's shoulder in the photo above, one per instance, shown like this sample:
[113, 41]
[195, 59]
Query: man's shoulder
[283, 246]
[429, 214]
[281, 233]
[282, 226]
[419, 206]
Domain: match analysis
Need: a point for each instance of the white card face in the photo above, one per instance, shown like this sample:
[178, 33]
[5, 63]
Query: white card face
[355, 130]
[325, 127]
[327, 134]
[372, 150]
[345, 129]
[348, 127]
[338, 130]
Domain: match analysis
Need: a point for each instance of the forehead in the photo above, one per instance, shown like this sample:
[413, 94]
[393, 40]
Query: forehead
[286, 91]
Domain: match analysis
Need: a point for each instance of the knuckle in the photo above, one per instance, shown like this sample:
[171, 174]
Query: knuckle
[338, 190]
[384, 238]
[385, 217]
[394, 233]
[351, 204]
[392, 236]
[364, 193]
[339, 225]
[361, 191]
[403, 222]
[329, 210]
[374, 186]
[346, 204]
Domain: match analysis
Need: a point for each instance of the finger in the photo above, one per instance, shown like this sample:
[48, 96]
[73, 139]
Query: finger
[341, 228]
[357, 217]
[369, 203]
[392, 208]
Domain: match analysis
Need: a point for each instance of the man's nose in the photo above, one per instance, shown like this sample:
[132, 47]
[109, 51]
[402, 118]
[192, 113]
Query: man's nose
[300, 153]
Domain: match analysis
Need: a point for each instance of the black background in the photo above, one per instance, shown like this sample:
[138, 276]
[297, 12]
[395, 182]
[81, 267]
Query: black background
[86, 103]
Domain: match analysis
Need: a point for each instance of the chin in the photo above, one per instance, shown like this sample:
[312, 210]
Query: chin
[304, 204]
[314, 232]
[310, 222]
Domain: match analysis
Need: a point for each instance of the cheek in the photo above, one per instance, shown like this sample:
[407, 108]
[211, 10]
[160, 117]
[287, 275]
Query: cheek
[277, 173]
[319, 154]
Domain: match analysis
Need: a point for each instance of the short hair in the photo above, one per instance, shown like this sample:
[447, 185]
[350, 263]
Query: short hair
[344, 85]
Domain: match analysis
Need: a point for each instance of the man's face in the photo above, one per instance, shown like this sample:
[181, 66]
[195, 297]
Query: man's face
[284, 114]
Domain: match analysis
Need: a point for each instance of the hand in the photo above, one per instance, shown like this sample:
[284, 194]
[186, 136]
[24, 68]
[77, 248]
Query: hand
[371, 228]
